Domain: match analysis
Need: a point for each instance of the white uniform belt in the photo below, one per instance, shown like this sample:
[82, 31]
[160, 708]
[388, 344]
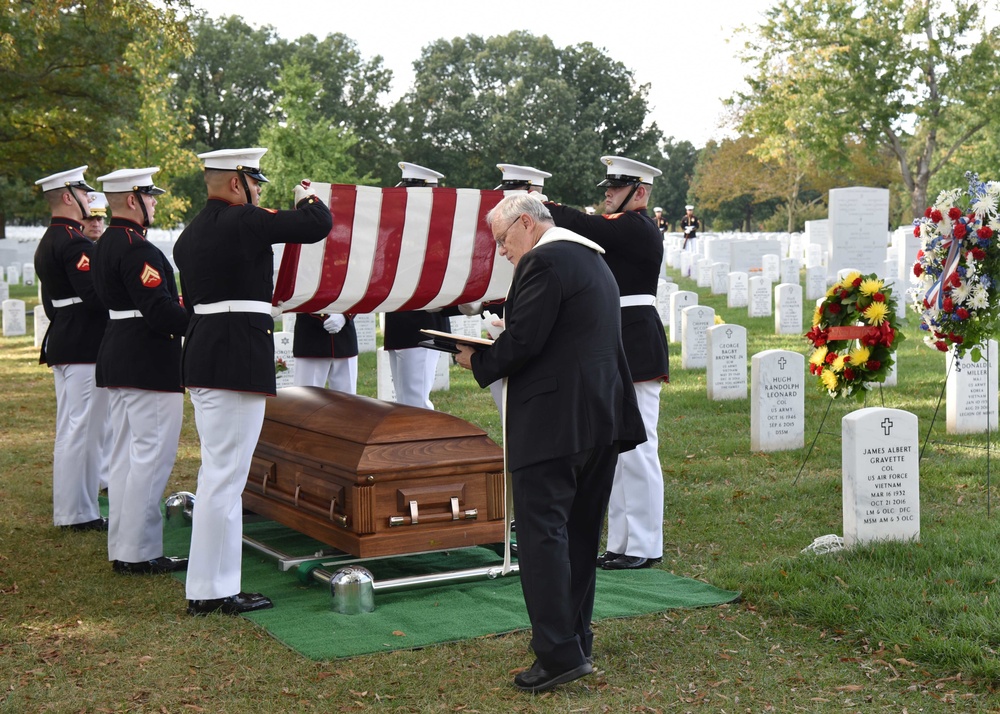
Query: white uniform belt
[66, 302]
[638, 300]
[123, 314]
[212, 308]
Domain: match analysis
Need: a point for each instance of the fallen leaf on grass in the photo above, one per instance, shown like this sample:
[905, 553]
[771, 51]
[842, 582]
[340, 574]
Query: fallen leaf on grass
[399, 633]
[850, 688]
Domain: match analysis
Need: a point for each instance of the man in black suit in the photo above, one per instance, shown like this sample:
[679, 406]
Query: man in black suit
[77, 320]
[570, 410]
[140, 365]
[227, 278]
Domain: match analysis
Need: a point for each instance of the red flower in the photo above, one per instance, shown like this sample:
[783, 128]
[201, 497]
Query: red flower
[920, 254]
[916, 231]
[962, 314]
[955, 280]
[831, 357]
[957, 339]
[985, 232]
[878, 297]
[856, 283]
[817, 335]
[936, 215]
[848, 374]
[873, 365]
[959, 230]
[843, 294]
[918, 269]
[954, 214]
[928, 211]
[978, 253]
[948, 305]
[941, 345]
[833, 308]
[886, 334]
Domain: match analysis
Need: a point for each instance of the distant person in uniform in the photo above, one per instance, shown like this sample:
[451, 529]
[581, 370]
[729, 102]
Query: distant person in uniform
[226, 264]
[77, 319]
[140, 365]
[570, 410]
[325, 347]
[412, 366]
[662, 224]
[690, 225]
[94, 224]
[633, 250]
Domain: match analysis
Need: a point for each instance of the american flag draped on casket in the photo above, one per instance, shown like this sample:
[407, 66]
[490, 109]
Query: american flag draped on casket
[395, 249]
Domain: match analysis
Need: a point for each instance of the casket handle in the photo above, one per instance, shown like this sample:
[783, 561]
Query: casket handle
[456, 515]
[336, 517]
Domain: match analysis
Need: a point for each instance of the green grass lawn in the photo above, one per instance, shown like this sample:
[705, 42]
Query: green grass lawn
[895, 628]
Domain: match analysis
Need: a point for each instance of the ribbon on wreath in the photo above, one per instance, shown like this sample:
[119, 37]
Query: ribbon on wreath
[935, 294]
[866, 334]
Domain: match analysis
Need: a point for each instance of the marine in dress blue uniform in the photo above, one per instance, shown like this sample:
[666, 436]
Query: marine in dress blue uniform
[77, 319]
[226, 268]
[140, 364]
[634, 252]
[325, 348]
[690, 224]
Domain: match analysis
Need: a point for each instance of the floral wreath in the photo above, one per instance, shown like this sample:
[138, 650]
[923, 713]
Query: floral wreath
[855, 333]
[957, 299]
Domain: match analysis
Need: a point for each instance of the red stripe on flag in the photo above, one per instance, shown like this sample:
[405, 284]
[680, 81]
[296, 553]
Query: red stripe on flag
[337, 249]
[484, 253]
[438, 249]
[387, 248]
[285, 287]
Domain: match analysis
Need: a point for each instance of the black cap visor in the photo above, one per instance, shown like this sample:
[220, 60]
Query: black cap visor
[618, 180]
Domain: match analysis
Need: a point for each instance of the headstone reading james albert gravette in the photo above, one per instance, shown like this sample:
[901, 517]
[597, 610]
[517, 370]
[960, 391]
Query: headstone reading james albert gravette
[13, 318]
[971, 394]
[760, 297]
[739, 290]
[788, 309]
[695, 321]
[726, 375]
[678, 301]
[284, 360]
[859, 220]
[880, 459]
[41, 324]
[364, 325]
[777, 401]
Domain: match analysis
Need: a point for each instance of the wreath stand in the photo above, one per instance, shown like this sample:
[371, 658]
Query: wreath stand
[989, 404]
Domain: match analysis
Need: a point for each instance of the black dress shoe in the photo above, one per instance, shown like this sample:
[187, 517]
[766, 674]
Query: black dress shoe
[538, 679]
[156, 566]
[98, 524]
[607, 556]
[629, 562]
[233, 605]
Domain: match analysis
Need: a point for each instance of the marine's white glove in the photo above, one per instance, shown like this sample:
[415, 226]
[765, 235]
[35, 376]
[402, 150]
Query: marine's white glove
[275, 312]
[334, 324]
[304, 190]
[539, 195]
[471, 308]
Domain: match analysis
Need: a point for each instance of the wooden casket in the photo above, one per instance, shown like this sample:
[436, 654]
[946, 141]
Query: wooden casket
[374, 478]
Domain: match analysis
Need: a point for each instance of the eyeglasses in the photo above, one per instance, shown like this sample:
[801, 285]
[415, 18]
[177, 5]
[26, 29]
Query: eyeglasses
[502, 238]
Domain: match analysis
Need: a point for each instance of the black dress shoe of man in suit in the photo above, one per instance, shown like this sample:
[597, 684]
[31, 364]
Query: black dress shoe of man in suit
[98, 524]
[156, 566]
[629, 562]
[233, 605]
[538, 679]
[607, 556]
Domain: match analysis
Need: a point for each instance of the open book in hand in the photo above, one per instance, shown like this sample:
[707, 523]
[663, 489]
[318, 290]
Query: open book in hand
[449, 341]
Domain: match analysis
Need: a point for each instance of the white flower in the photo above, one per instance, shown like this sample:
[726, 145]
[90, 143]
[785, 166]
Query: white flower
[947, 199]
[980, 298]
[994, 224]
[970, 270]
[960, 294]
[985, 205]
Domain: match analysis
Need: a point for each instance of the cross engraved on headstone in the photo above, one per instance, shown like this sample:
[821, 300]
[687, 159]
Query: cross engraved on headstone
[781, 363]
[887, 425]
[729, 333]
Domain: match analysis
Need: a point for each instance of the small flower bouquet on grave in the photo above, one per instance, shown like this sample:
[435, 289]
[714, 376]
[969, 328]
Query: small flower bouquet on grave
[854, 335]
[958, 267]
[280, 365]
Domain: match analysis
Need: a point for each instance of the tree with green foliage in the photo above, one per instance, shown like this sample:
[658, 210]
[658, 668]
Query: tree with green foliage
[915, 77]
[520, 99]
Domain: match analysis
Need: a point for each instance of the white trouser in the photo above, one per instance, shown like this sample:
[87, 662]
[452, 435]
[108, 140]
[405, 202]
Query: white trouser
[102, 406]
[229, 425]
[76, 458]
[413, 375]
[340, 373]
[635, 512]
[147, 428]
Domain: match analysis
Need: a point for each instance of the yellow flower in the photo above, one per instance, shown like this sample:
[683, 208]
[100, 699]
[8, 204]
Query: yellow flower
[833, 288]
[848, 282]
[719, 320]
[871, 286]
[817, 315]
[829, 380]
[819, 356]
[860, 355]
[838, 364]
[876, 313]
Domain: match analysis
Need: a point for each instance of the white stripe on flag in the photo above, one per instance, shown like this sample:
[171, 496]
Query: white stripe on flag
[310, 266]
[462, 245]
[364, 239]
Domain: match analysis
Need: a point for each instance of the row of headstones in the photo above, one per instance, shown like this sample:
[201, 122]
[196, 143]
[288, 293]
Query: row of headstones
[16, 273]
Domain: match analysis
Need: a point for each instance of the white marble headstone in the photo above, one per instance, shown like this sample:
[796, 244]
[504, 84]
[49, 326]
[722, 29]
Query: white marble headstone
[364, 325]
[28, 274]
[760, 297]
[739, 290]
[686, 260]
[704, 273]
[726, 376]
[283, 357]
[288, 321]
[695, 321]
[442, 377]
[971, 399]
[4, 291]
[13, 275]
[384, 388]
[815, 282]
[771, 268]
[777, 401]
[788, 309]
[674, 257]
[41, 324]
[790, 270]
[664, 290]
[859, 217]
[720, 278]
[678, 301]
[814, 256]
[13, 318]
[880, 460]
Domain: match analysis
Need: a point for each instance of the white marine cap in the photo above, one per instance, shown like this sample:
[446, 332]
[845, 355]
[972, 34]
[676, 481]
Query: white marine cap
[626, 172]
[245, 160]
[526, 177]
[98, 204]
[689, 207]
[414, 175]
[65, 179]
[129, 180]
[657, 210]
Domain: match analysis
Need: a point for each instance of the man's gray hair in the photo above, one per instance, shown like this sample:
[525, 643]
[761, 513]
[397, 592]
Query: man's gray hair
[516, 204]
